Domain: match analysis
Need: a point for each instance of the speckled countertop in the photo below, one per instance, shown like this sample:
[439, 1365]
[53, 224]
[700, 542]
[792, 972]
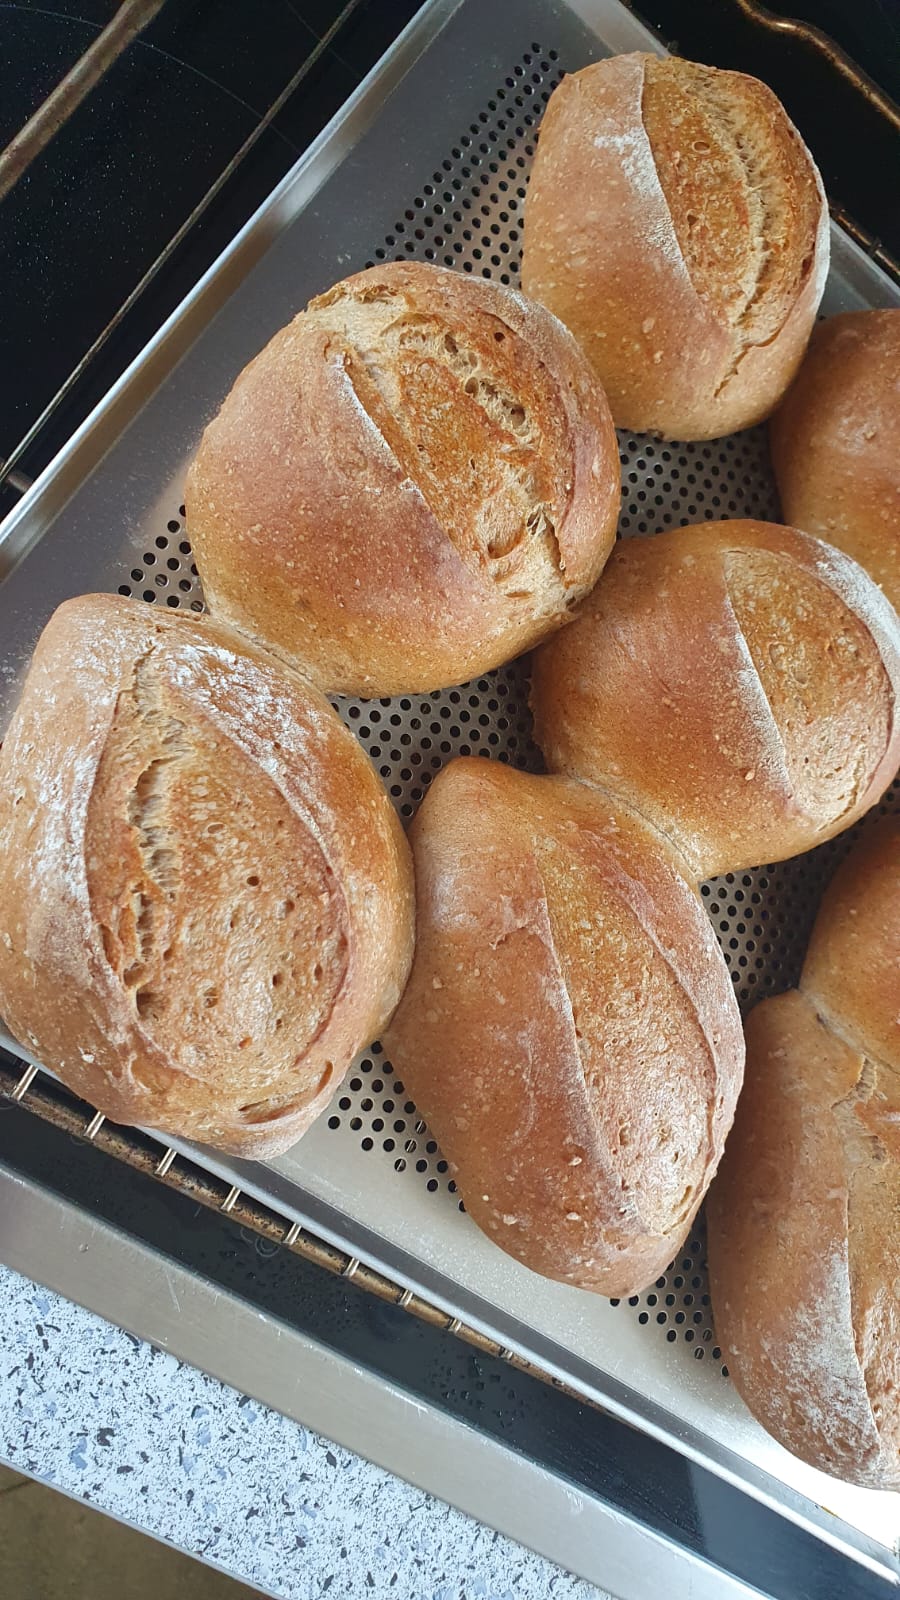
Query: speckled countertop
[101, 1415]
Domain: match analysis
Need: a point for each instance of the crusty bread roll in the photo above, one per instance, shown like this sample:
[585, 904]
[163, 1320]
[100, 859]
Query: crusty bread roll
[804, 1218]
[852, 967]
[676, 222]
[736, 682]
[414, 482]
[205, 895]
[569, 1029]
[836, 442]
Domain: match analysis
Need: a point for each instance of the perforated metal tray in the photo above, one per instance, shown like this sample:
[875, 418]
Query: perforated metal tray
[438, 171]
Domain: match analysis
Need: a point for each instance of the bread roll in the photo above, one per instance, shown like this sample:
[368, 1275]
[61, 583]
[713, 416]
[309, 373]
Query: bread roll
[836, 442]
[205, 895]
[852, 968]
[804, 1218]
[676, 222]
[414, 482]
[569, 1029]
[736, 682]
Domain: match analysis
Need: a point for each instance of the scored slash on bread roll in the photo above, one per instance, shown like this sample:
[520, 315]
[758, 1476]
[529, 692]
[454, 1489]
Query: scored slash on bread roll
[569, 1030]
[804, 1217]
[414, 482]
[206, 900]
[676, 222]
[836, 442]
[736, 682]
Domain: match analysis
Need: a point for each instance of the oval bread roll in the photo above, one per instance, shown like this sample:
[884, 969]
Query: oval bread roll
[569, 1029]
[804, 1218]
[736, 682]
[413, 483]
[836, 442]
[205, 895]
[676, 222]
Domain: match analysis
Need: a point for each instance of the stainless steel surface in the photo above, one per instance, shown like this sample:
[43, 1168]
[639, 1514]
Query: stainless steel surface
[102, 1269]
[441, 175]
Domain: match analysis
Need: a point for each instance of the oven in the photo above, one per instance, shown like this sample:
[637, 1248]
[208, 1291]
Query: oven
[342, 1283]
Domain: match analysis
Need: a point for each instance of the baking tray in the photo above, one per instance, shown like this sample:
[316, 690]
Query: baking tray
[430, 160]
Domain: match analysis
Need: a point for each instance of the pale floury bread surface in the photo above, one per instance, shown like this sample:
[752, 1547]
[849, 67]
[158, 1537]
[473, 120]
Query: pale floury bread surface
[676, 222]
[413, 483]
[737, 682]
[205, 895]
[836, 442]
[569, 1030]
[804, 1217]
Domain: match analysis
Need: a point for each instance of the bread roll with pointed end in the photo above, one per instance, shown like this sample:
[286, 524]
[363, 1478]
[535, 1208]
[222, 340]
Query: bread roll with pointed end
[205, 895]
[676, 222]
[804, 1217]
[836, 442]
[736, 682]
[569, 1029]
[413, 483]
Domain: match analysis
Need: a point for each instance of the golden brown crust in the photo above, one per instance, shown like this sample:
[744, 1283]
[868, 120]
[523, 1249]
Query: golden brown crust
[206, 904]
[569, 1029]
[836, 442]
[414, 482]
[675, 221]
[852, 967]
[804, 1244]
[736, 659]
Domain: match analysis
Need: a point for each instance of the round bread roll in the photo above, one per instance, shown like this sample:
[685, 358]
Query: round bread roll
[676, 222]
[836, 442]
[804, 1218]
[205, 895]
[414, 482]
[569, 1030]
[736, 682]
